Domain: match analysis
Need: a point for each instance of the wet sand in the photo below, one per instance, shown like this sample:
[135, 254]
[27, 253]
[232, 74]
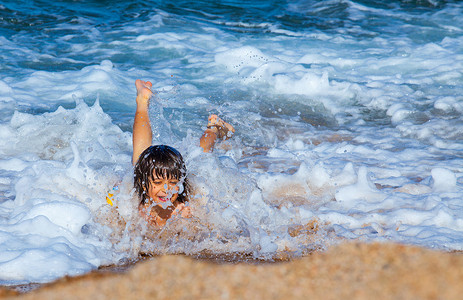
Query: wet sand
[347, 271]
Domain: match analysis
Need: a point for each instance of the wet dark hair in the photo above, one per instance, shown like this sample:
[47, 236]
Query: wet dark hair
[160, 161]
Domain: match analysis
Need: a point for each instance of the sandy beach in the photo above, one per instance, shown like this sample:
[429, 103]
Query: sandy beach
[346, 271]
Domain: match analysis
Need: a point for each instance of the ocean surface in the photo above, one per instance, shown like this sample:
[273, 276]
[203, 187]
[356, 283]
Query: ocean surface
[348, 118]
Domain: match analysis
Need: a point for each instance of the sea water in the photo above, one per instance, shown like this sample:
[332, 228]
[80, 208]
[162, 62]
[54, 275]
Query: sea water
[347, 115]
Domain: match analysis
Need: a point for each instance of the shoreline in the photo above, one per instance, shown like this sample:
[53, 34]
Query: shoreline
[219, 259]
[352, 270]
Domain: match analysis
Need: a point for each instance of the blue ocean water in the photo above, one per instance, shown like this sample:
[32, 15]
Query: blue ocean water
[347, 116]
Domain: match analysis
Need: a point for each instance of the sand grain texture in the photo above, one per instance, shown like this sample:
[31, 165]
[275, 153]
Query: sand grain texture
[348, 271]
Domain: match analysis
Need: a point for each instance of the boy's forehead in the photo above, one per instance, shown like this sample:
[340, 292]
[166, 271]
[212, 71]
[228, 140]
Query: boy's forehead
[162, 174]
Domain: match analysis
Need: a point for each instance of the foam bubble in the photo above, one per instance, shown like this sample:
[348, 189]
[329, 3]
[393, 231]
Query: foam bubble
[364, 189]
[444, 180]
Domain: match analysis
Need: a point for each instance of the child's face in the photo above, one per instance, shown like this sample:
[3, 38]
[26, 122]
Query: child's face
[163, 190]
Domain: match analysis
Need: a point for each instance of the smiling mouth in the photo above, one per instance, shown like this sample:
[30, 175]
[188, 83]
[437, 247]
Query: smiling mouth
[164, 199]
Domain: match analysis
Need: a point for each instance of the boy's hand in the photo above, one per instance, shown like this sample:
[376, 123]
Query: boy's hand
[184, 211]
[143, 92]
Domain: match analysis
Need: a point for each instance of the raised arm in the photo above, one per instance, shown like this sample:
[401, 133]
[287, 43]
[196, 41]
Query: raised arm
[142, 135]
